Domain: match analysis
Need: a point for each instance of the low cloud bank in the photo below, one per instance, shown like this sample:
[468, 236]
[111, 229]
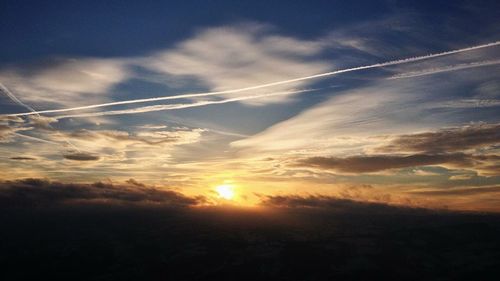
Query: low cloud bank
[41, 192]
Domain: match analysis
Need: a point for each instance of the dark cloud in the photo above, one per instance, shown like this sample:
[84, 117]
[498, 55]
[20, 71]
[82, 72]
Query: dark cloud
[488, 165]
[460, 191]
[80, 156]
[22, 158]
[446, 147]
[375, 163]
[447, 140]
[134, 182]
[332, 204]
[41, 192]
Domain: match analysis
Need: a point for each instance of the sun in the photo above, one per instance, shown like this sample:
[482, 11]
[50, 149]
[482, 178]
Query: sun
[225, 191]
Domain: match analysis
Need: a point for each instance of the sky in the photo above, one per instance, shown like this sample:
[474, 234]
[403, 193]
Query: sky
[389, 102]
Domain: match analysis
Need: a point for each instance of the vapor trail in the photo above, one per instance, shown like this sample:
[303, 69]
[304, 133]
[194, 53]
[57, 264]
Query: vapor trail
[37, 139]
[377, 65]
[435, 70]
[18, 101]
[6, 91]
[162, 107]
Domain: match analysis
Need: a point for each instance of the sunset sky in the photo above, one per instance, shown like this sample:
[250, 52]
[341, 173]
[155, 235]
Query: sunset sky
[232, 103]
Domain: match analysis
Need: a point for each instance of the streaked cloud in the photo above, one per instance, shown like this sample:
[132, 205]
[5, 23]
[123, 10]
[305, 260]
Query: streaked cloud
[241, 56]
[484, 164]
[7, 133]
[276, 84]
[375, 163]
[446, 140]
[64, 82]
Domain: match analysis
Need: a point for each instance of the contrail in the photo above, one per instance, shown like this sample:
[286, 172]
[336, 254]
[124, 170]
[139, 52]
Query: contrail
[377, 65]
[6, 91]
[162, 107]
[431, 71]
[37, 139]
[18, 101]
[471, 103]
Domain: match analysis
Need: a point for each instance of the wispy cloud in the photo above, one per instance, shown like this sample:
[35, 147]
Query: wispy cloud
[273, 84]
[65, 82]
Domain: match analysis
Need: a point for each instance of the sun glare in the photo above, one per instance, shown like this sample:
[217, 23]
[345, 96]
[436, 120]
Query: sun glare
[225, 191]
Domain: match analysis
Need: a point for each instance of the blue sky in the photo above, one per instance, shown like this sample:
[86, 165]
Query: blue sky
[37, 29]
[406, 129]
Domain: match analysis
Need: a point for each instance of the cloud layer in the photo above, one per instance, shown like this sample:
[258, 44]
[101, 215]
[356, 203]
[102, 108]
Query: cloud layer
[376, 163]
[368, 128]
[40, 192]
[447, 140]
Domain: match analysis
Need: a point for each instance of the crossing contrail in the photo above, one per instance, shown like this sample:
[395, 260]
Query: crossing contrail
[18, 101]
[6, 91]
[182, 96]
[162, 107]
